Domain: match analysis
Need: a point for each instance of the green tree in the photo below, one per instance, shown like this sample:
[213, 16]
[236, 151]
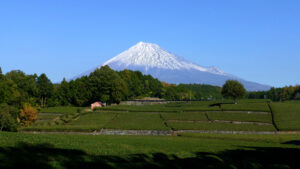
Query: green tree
[1, 75]
[233, 89]
[104, 98]
[171, 93]
[200, 91]
[8, 118]
[81, 93]
[45, 88]
[64, 93]
[275, 94]
[287, 93]
[26, 85]
[9, 92]
[134, 83]
[152, 86]
[105, 81]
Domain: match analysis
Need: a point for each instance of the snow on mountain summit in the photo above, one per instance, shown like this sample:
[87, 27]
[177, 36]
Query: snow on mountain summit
[151, 59]
[149, 55]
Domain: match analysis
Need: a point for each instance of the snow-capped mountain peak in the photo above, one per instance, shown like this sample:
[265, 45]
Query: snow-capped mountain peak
[151, 59]
[149, 55]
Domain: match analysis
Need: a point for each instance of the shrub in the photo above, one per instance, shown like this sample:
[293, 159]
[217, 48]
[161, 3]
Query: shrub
[28, 114]
[97, 109]
[297, 96]
[8, 118]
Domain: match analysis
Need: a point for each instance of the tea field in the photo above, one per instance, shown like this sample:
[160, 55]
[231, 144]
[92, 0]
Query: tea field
[247, 115]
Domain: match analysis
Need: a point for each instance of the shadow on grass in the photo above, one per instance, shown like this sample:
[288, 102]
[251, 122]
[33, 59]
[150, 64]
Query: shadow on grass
[294, 142]
[45, 156]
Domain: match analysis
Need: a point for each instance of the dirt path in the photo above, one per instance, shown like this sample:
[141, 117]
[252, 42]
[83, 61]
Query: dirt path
[221, 121]
[110, 132]
[239, 132]
[232, 111]
[199, 111]
[51, 113]
[160, 132]
[243, 122]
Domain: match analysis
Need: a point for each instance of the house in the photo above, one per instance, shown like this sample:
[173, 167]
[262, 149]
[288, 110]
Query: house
[97, 104]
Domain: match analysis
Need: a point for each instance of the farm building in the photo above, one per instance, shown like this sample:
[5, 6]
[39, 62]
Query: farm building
[97, 104]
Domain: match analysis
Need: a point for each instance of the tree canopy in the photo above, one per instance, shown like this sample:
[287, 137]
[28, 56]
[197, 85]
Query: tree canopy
[44, 88]
[233, 89]
[8, 118]
[277, 94]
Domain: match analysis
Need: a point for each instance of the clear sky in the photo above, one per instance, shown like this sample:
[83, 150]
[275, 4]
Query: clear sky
[258, 40]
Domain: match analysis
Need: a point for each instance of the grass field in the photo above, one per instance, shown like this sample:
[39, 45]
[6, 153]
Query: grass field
[236, 116]
[82, 122]
[287, 115]
[247, 107]
[19, 150]
[46, 116]
[267, 138]
[141, 108]
[243, 105]
[137, 121]
[219, 126]
[185, 116]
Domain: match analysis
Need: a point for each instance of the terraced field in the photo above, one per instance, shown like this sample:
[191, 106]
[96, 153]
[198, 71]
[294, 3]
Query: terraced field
[219, 126]
[287, 115]
[247, 115]
[137, 121]
[74, 122]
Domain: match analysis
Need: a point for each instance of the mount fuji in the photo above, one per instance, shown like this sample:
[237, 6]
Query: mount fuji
[151, 59]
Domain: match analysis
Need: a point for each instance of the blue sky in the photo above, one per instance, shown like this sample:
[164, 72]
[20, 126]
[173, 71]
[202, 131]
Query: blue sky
[256, 40]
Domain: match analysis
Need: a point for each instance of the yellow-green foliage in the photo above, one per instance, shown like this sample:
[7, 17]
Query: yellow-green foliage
[28, 114]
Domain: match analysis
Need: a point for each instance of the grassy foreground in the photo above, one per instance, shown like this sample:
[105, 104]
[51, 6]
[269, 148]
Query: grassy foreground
[19, 150]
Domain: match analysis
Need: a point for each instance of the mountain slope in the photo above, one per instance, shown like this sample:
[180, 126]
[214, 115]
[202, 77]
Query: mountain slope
[151, 59]
[151, 56]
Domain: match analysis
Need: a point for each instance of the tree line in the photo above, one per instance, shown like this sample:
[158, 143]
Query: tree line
[104, 84]
[22, 95]
[277, 94]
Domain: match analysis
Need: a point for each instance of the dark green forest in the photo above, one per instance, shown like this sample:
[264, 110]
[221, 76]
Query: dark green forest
[104, 84]
[107, 85]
